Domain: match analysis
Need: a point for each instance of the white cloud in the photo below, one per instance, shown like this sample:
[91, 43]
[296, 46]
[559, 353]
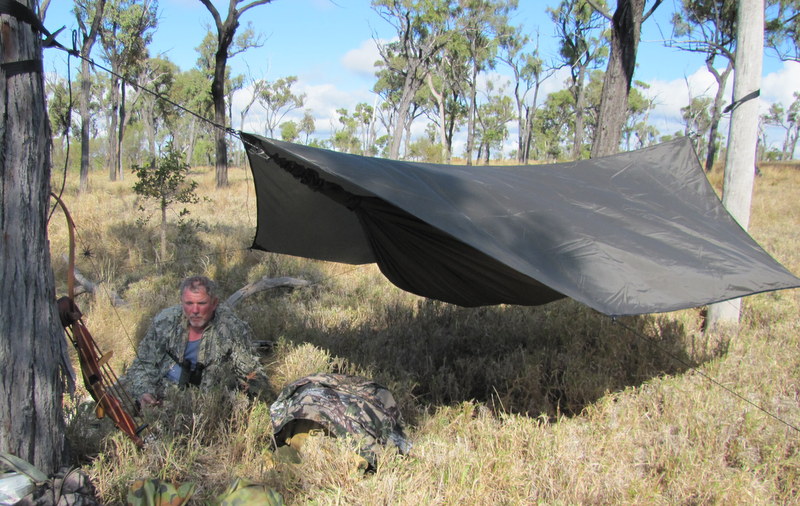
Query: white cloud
[321, 99]
[781, 85]
[670, 96]
[361, 60]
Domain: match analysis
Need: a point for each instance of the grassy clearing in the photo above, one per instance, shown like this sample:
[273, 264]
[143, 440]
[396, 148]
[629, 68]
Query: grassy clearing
[504, 405]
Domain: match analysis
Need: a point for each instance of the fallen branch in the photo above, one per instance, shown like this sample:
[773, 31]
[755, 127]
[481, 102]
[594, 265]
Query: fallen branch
[91, 287]
[262, 284]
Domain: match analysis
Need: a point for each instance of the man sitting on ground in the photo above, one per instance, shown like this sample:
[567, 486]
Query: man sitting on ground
[199, 342]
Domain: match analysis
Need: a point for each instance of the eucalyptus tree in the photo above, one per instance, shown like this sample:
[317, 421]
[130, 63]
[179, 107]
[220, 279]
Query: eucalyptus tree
[438, 113]
[290, 132]
[125, 33]
[158, 75]
[255, 86]
[89, 15]
[783, 28]
[697, 122]
[529, 73]
[227, 46]
[422, 28]
[345, 137]
[59, 107]
[307, 125]
[426, 148]
[637, 132]
[626, 26]
[32, 342]
[579, 28]
[446, 93]
[481, 23]
[277, 100]
[789, 121]
[492, 118]
[206, 62]
[365, 116]
[709, 27]
[737, 186]
[553, 126]
[192, 89]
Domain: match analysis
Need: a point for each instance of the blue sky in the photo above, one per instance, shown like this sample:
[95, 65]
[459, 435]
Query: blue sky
[330, 46]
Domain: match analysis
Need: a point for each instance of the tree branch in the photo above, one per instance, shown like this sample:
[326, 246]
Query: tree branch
[92, 287]
[251, 5]
[214, 13]
[652, 9]
[597, 7]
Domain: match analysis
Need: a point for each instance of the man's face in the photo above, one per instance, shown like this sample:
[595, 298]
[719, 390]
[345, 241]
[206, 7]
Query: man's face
[198, 307]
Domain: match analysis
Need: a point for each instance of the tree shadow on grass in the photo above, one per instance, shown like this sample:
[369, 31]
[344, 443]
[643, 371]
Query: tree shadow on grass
[549, 360]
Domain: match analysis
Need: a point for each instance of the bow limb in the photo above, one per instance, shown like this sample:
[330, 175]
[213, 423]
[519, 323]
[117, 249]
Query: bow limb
[71, 231]
[99, 378]
[103, 384]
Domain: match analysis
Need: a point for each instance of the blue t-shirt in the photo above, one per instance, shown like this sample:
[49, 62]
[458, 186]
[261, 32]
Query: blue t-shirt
[190, 354]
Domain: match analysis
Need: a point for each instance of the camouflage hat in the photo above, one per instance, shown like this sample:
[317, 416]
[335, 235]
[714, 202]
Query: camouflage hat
[341, 405]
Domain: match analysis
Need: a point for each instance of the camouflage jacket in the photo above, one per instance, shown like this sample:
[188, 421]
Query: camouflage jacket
[341, 404]
[224, 351]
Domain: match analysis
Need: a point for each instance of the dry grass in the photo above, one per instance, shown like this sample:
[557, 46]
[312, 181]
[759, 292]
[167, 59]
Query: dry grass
[505, 405]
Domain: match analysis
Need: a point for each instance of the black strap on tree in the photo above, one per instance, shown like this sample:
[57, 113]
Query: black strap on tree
[737, 103]
[24, 14]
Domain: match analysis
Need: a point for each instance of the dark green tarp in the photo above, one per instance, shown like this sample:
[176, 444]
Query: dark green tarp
[634, 233]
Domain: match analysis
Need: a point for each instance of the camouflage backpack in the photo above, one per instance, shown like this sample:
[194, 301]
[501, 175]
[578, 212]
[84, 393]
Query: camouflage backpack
[340, 405]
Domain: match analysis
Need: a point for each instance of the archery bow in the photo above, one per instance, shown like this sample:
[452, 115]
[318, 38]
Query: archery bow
[99, 378]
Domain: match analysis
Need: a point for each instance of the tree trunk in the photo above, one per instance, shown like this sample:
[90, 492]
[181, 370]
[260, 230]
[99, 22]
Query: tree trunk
[580, 99]
[439, 97]
[410, 87]
[191, 141]
[163, 232]
[471, 113]
[742, 137]
[121, 131]
[218, 96]
[32, 343]
[112, 131]
[626, 27]
[716, 111]
[86, 93]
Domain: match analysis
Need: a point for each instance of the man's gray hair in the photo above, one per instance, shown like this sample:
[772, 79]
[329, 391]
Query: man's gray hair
[194, 283]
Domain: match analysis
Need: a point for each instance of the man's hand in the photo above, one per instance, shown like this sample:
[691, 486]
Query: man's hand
[149, 400]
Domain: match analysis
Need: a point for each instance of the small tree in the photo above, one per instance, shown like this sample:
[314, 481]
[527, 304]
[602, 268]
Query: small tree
[165, 182]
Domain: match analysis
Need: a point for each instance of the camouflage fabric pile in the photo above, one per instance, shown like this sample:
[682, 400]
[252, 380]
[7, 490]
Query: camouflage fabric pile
[68, 487]
[341, 405]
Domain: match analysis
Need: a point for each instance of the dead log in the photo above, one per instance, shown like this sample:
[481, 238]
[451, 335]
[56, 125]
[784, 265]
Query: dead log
[262, 284]
[91, 287]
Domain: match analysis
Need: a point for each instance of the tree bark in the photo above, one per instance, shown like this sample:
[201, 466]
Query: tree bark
[121, 131]
[716, 111]
[410, 87]
[86, 92]
[439, 97]
[580, 99]
[740, 160]
[471, 113]
[112, 155]
[225, 33]
[218, 96]
[625, 33]
[32, 343]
